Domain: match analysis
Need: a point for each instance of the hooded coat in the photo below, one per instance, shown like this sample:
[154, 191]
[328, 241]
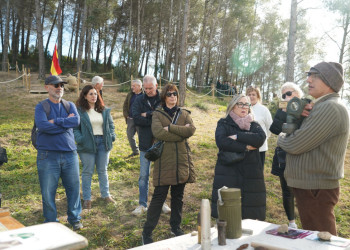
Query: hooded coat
[175, 164]
[248, 174]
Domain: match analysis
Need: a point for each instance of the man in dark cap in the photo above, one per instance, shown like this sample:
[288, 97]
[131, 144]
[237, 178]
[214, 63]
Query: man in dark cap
[316, 151]
[57, 157]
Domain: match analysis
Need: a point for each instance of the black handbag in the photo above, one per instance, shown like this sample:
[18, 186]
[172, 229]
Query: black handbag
[154, 152]
[3, 156]
[228, 158]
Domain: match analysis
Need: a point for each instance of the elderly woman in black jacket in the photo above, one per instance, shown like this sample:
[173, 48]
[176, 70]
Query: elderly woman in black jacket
[238, 132]
[288, 91]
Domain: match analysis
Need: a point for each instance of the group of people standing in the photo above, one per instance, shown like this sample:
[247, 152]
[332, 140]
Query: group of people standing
[309, 162]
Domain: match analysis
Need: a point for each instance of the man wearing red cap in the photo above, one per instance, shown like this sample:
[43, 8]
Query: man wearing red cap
[316, 151]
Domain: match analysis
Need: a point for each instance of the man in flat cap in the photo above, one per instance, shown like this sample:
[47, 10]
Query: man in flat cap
[57, 157]
[316, 151]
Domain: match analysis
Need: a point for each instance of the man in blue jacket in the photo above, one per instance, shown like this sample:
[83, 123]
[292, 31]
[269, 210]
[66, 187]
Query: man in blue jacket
[142, 110]
[57, 156]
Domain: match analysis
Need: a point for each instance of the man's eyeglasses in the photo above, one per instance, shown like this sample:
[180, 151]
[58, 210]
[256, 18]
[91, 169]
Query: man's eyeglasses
[288, 93]
[58, 85]
[168, 94]
[243, 105]
[312, 73]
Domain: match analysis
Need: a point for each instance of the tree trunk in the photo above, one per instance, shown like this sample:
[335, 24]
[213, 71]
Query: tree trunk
[40, 40]
[6, 43]
[49, 37]
[59, 34]
[176, 60]
[77, 6]
[82, 36]
[168, 42]
[98, 49]
[29, 21]
[156, 67]
[289, 75]
[345, 35]
[70, 57]
[22, 38]
[1, 29]
[199, 79]
[88, 49]
[182, 85]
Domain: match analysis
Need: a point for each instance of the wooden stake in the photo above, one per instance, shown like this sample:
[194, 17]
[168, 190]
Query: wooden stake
[29, 79]
[23, 76]
[112, 76]
[213, 90]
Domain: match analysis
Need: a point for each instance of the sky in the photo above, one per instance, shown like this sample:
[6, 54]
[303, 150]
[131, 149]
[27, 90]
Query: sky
[321, 22]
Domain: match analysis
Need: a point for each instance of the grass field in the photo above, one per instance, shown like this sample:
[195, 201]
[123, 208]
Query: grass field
[113, 226]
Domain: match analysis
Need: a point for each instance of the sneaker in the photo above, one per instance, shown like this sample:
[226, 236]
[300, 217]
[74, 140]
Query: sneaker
[77, 226]
[146, 239]
[139, 210]
[177, 232]
[166, 209]
[293, 225]
[109, 199]
[87, 204]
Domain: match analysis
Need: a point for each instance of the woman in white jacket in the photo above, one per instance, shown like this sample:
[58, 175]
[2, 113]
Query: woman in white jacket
[262, 115]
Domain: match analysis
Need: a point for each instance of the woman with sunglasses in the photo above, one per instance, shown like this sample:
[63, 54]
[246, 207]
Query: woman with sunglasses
[174, 168]
[262, 116]
[288, 91]
[238, 132]
[94, 137]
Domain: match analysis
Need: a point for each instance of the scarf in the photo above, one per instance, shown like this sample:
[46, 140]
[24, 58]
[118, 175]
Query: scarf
[171, 111]
[242, 122]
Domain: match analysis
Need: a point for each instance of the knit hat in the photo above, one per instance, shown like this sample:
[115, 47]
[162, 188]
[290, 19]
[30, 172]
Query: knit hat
[331, 73]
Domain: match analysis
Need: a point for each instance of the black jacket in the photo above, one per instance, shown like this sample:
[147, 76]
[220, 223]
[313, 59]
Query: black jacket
[143, 105]
[248, 174]
[279, 159]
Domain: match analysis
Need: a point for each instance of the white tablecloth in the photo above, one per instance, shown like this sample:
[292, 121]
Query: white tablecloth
[51, 235]
[259, 228]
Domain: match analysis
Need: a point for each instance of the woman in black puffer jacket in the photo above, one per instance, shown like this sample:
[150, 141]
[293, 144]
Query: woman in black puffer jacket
[288, 91]
[237, 132]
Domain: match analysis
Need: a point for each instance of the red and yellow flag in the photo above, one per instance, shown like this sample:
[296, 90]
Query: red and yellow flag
[55, 65]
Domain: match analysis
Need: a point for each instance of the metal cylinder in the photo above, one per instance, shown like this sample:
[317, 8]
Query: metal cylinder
[221, 232]
[230, 210]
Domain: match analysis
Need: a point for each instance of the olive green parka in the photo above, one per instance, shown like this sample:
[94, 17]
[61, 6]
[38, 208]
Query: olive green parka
[175, 165]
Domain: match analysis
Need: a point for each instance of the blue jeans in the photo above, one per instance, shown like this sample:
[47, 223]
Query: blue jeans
[89, 160]
[51, 166]
[144, 178]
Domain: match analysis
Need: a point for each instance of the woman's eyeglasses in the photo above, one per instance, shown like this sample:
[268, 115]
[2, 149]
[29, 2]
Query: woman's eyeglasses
[243, 105]
[288, 93]
[168, 94]
[58, 85]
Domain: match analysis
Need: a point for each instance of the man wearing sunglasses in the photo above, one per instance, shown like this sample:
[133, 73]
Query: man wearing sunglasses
[57, 157]
[316, 151]
[142, 110]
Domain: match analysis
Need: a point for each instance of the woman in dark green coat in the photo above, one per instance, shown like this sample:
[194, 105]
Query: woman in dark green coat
[174, 168]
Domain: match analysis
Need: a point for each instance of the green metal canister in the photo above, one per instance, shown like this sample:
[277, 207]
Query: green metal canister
[230, 210]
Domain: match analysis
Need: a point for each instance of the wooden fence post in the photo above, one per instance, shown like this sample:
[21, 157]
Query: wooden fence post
[78, 81]
[112, 76]
[26, 70]
[29, 79]
[23, 75]
[213, 90]
[160, 81]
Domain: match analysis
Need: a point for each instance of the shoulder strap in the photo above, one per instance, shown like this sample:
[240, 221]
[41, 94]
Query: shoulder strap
[66, 105]
[46, 106]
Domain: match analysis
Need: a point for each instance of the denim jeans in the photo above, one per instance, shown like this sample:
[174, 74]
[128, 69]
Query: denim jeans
[144, 179]
[89, 160]
[130, 132]
[53, 165]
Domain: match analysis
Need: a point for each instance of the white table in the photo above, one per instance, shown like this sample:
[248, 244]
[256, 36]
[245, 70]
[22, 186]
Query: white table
[190, 242]
[51, 235]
